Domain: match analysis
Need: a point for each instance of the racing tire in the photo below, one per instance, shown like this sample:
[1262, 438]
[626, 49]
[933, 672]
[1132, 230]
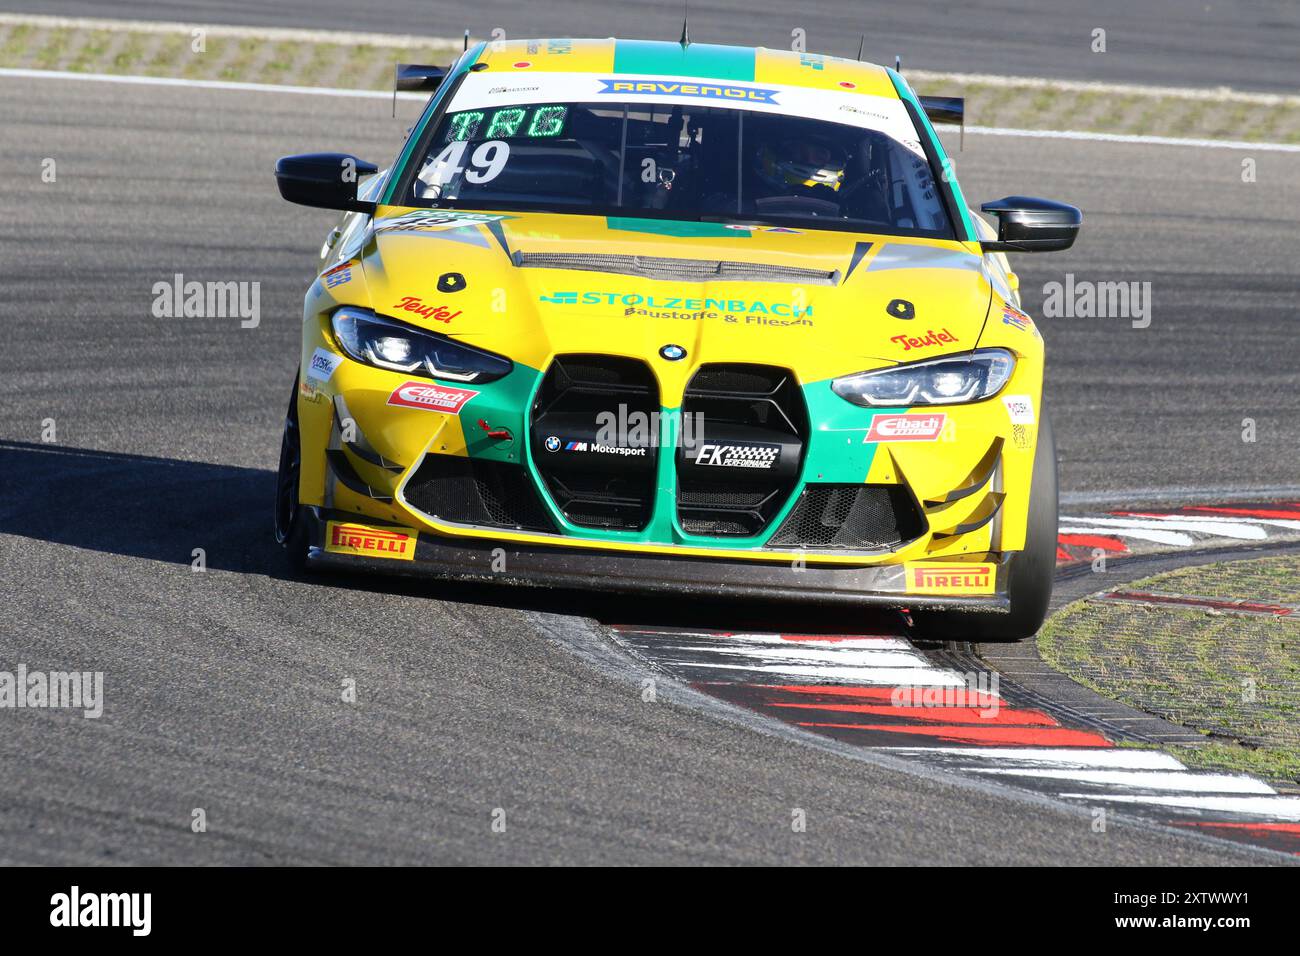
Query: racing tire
[290, 520]
[1031, 573]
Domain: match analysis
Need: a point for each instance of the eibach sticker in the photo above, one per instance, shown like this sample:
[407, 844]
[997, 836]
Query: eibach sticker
[905, 428]
[430, 397]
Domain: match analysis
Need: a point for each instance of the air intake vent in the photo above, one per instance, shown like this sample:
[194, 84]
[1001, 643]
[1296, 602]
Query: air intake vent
[676, 270]
[850, 517]
[744, 431]
[477, 492]
[598, 480]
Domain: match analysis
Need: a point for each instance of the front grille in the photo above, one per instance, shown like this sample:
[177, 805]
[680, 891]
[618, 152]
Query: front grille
[600, 501]
[851, 517]
[478, 492]
[676, 270]
[755, 414]
[598, 476]
[724, 509]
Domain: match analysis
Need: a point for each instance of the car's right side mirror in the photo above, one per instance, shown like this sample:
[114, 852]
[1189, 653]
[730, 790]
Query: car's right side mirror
[1027, 224]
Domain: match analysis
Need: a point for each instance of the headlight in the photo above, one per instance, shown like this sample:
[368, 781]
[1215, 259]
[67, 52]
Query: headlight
[942, 381]
[387, 343]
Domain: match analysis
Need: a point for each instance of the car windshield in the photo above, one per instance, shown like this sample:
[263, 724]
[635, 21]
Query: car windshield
[684, 160]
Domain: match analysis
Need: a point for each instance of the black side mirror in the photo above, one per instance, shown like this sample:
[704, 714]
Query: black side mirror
[945, 109]
[417, 76]
[324, 180]
[1026, 224]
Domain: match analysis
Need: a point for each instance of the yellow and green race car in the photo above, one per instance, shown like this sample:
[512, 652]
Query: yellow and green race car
[674, 317]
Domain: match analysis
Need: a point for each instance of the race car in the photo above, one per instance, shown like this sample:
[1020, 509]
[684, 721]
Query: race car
[678, 318]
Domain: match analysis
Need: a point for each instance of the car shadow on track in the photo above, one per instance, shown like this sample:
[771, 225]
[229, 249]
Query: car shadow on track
[162, 509]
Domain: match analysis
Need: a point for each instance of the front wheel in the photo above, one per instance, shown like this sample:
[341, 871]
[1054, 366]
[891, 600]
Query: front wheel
[1032, 570]
[290, 527]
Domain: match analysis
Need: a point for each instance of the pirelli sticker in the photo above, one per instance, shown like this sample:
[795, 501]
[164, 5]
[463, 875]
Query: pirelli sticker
[932, 577]
[363, 540]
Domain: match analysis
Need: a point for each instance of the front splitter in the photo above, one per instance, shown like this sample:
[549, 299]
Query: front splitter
[504, 562]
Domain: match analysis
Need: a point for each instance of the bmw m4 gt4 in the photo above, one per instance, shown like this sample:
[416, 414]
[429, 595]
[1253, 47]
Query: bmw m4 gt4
[643, 316]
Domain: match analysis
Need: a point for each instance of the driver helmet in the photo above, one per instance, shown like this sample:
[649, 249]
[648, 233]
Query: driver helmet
[804, 164]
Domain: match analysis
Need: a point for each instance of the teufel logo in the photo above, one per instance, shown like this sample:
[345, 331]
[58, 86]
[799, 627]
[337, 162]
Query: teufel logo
[413, 303]
[909, 342]
[434, 398]
[905, 428]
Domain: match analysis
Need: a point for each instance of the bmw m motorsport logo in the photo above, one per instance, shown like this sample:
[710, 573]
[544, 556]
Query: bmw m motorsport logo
[555, 444]
[593, 447]
[707, 91]
[635, 300]
[739, 456]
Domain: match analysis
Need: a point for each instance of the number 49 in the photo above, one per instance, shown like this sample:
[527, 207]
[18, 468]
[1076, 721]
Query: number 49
[485, 163]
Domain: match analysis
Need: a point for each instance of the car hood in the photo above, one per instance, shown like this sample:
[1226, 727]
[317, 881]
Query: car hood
[531, 285]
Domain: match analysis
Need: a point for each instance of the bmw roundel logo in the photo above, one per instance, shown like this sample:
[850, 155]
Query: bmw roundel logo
[673, 353]
[552, 444]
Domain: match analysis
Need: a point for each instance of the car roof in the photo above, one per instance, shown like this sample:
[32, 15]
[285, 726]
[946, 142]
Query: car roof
[702, 61]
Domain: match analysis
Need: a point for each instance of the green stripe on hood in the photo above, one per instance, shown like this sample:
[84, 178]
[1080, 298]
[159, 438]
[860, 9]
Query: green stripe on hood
[703, 60]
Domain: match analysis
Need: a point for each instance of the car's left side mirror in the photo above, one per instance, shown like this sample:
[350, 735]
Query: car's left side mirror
[324, 180]
[1026, 224]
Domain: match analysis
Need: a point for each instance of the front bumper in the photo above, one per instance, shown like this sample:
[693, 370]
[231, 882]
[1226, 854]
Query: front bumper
[477, 560]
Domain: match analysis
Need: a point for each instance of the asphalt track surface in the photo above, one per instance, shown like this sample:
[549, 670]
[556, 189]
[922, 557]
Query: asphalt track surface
[1244, 44]
[223, 688]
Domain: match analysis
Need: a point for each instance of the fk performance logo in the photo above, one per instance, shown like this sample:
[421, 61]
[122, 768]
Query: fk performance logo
[738, 456]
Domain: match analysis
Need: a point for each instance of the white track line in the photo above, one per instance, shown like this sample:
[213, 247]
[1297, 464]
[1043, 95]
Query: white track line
[1291, 524]
[862, 642]
[1140, 777]
[1125, 759]
[1156, 537]
[1181, 494]
[796, 654]
[879, 676]
[1221, 94]
[1181, 780]
[207, 84]
[1276, 808]
[278, 34]
[1244, 532]
[1135, 138]
[377, 94]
